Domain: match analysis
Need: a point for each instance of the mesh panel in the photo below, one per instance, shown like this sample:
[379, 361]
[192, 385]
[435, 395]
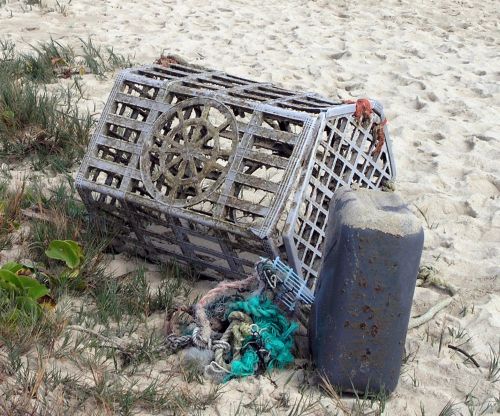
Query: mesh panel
[344, 156]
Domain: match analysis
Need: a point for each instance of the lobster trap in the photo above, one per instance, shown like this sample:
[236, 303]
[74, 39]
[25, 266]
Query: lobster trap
[216, 171]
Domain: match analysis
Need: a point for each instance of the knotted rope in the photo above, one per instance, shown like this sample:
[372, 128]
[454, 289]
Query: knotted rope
[258, 335]
[201, 335]
[427, 276]
[239, 328]
[220, 290]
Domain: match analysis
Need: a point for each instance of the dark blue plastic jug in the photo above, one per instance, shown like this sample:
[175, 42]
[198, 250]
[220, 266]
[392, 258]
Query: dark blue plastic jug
[359, 320]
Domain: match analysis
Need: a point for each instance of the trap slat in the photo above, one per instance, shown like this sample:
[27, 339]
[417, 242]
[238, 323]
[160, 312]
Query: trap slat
[267, 159]
[117, 144]
[142, 102]
[128, 123]
[256, 182]
[239, 204]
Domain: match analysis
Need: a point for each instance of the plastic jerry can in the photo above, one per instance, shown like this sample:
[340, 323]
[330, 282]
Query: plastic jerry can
[359, 319]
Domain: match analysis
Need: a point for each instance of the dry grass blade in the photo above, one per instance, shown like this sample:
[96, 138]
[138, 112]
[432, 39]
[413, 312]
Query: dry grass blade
[108, 342]
[39, 377]
[328, 388]
[494, 365]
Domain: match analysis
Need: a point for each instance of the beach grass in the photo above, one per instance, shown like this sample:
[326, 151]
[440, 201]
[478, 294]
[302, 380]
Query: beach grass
[45, 124]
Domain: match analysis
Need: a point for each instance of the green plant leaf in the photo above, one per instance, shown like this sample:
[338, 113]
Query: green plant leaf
[76, 248]
[12, 266]
[62, 250]
[22, 285]
[32, 287]
[8, 286]
[10, 281]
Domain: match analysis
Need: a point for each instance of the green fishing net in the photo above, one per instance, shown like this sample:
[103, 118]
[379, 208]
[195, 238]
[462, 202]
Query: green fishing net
[271, 344]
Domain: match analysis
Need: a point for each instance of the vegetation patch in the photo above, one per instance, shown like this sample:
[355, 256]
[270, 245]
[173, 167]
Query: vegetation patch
[48, 125]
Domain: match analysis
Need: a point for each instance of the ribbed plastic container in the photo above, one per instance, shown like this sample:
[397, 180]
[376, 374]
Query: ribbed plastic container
[359, 319]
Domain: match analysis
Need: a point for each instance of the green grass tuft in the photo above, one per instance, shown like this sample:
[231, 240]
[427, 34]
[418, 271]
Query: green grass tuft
[46, 126]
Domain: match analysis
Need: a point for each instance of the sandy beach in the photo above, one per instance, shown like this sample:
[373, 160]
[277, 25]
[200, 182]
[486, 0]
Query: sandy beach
[434, 67]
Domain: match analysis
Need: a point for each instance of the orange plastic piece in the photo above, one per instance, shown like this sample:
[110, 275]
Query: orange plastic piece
[363, 110]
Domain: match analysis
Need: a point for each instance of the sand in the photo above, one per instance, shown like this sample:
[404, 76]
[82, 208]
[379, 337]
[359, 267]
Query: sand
[434, 67]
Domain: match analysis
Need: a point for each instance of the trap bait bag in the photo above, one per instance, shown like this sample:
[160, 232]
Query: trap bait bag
[359, 320]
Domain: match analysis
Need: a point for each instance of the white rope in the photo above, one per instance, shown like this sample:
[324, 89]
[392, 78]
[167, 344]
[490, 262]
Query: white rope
[427, 276]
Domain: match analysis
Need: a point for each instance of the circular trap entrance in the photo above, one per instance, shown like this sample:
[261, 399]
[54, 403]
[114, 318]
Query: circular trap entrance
[189, 151]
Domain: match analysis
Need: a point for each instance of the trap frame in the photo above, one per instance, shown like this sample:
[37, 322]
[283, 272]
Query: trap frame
[217, 171]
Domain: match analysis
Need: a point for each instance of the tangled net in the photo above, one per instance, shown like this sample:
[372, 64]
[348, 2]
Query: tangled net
[269, 342]
[247, 336]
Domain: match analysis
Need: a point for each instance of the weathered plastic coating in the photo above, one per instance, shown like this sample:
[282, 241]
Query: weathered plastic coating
[363, 299]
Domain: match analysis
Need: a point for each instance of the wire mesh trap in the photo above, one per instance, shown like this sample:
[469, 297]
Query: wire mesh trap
[217, 171]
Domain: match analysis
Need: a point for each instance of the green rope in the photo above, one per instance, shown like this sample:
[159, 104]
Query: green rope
[273, 335]
[246, 366]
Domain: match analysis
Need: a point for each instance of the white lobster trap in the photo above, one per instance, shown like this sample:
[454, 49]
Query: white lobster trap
[217, 171]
